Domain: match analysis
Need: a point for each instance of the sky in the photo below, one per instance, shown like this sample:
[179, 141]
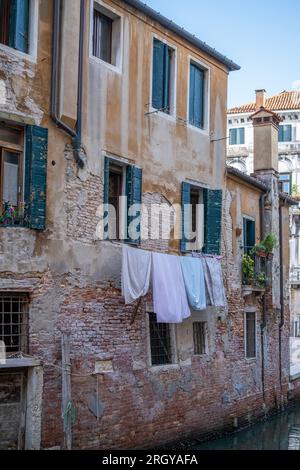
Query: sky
[262, 36]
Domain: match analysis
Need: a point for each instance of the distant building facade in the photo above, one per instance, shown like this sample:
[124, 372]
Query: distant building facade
[240, 156]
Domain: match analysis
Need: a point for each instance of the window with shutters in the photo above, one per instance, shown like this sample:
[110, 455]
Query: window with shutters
[249, 234]
[200, 338]
[237, 136]
[106, 42]
[201, 212]
[162, 342]
[198, 96]
[250, 334]
[163, 77]
[122, 194]
[23, 173]
[285, 133]
[18, 25]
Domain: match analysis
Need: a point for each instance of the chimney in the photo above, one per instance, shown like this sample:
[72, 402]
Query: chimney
[265, 129]
[260, 99]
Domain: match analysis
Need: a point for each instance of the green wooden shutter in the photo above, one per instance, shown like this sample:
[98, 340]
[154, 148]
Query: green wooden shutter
[280, 134]
[249, 234]
[232, 136]
[134, 196]
[212, 221]
[241, 136]
[19, 25]
[192, 95]
[288, 133]
[158, 75]
[185, 214]
[167, 71]
[106, 194]
[36, 176]
[199, 98]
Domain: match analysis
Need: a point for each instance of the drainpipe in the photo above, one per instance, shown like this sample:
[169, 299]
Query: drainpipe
[77, 133]
[263, 325]
[281, 325]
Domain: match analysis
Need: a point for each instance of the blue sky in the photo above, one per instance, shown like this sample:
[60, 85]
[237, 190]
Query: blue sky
[262, 36]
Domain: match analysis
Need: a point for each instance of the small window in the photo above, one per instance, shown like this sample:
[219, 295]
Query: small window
[14, 24]
[199, 335]
[14, 322]
[162, 77]
[237, 136]
[249, 235]
[196, 96]
[160, 342]
[285, 133]
[285, 183]
[106, 41]
[11, 168]
[250, 334]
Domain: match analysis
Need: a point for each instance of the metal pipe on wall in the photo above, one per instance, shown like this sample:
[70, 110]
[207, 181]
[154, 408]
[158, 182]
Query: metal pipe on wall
[76, 134]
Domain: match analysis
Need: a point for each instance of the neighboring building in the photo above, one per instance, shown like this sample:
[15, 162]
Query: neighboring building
[240, 156]
[137, 110]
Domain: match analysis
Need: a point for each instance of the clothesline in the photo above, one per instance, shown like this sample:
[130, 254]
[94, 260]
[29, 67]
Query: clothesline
[179, 282]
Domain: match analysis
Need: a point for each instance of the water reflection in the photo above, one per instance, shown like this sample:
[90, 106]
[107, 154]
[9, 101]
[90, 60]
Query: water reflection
[279, 433]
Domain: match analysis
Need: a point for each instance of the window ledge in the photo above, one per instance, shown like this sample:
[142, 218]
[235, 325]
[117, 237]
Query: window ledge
[99, 62]
[155, 112]
[14, 53]
[204, 132]
[164, 368]
[20, 363]
[249, 290]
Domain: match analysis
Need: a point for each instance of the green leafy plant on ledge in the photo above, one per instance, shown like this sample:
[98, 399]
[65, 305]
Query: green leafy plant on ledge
[250, 277]
[265, 248]
[296, 192]
[12, 217]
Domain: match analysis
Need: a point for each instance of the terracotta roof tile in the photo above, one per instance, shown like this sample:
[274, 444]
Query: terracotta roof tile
[287, 100]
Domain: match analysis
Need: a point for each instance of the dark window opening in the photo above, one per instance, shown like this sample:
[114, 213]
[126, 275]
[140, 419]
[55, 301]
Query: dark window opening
[115, 192]
[194, 204]
[14, 24]
[160, 342]
[250, 326]
[199, 335]
[102, 37]
[14, 322]
[4, 21]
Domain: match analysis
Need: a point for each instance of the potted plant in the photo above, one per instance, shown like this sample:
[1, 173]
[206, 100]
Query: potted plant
[260, 250]
[270, 242]
[248, 269]
[260, 279]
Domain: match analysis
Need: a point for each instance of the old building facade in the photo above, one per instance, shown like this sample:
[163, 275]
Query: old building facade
[103, 99]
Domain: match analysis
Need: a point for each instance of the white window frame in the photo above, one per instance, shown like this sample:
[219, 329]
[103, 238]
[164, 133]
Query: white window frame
[246, 311]
[207, 91]
[31, 55]
[173, 342]
[239, 126]
[113, 14]
[173, 94]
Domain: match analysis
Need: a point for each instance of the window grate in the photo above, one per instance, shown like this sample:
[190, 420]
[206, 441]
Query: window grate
[13, 322]
[160, 341]
[199, 334]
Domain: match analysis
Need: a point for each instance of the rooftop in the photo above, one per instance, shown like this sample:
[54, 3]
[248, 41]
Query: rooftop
[284, 101]
[192, 39]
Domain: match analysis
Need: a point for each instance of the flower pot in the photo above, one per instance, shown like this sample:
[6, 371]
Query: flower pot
[261, 254]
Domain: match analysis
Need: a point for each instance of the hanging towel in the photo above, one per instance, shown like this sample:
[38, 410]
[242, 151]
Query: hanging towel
[136, 271]
[215, 292]
[193, 276]
[169, 294]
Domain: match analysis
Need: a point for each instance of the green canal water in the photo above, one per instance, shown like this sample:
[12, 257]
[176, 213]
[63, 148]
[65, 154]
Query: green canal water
[279, 433]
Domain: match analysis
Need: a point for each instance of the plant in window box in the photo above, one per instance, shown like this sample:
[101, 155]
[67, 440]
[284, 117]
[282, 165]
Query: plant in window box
[11, 216]
[260, 280]
[260, 250]
[248, 269]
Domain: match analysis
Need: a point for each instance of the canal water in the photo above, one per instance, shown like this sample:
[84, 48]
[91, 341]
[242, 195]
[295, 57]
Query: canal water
[279, 433]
